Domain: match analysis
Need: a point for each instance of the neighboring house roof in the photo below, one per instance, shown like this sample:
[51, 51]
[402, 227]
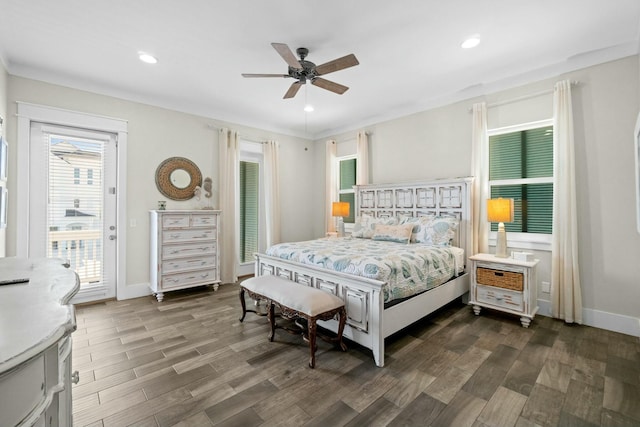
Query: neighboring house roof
[75, 212]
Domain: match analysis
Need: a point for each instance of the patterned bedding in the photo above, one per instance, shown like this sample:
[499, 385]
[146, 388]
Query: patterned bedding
[407, 269]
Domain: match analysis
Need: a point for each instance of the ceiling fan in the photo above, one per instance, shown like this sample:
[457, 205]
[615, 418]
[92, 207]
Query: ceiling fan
[303, 70]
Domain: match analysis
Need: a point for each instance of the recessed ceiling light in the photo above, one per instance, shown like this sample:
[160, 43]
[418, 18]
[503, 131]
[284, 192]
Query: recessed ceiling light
[147, 57]
[308, 108]
[472, 41]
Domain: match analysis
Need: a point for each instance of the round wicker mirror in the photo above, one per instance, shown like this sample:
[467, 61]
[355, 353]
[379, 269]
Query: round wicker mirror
[177, 178]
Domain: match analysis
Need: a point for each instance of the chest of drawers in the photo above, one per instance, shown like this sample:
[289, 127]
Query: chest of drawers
[184, 250]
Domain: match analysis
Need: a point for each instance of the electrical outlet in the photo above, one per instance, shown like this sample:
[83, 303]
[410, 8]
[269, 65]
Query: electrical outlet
[133, 223]
[545, 287]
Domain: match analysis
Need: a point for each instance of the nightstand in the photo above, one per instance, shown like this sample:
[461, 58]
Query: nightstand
[504, 284]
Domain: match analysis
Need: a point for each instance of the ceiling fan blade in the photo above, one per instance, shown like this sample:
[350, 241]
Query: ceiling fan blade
[337, 64]
[293, 89]
[329, 85]
[264, 75]
[287, 55]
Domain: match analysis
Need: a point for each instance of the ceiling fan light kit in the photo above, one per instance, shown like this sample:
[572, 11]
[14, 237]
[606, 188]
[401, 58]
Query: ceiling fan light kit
[304, 71]
[471, 42]
[147, 57]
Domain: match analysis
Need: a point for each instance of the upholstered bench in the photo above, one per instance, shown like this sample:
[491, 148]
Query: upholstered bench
[295, 301]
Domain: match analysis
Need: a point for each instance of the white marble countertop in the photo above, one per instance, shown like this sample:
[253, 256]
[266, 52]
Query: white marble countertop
[34, 315]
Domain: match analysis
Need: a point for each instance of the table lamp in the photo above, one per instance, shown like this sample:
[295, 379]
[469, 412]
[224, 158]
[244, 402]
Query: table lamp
[340, 210]
[500, 210]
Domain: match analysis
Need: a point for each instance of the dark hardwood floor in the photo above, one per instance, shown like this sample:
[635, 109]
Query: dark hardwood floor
[188, 361]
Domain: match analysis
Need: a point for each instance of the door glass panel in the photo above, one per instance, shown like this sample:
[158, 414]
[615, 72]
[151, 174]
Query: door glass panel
[75, 206]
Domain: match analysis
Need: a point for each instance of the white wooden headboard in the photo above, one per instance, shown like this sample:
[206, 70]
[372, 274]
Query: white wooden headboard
[443, 197]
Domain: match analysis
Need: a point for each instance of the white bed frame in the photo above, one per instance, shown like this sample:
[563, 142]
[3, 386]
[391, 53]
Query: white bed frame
[368, 322]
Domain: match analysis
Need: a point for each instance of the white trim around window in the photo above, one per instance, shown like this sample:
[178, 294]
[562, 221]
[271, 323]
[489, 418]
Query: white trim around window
[531, 241]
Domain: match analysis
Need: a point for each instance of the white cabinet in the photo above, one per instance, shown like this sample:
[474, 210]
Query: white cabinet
[35, 342]
[504, 284]
[184, 250]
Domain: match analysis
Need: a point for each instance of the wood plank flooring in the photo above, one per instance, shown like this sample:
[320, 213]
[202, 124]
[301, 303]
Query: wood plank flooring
[188, 361]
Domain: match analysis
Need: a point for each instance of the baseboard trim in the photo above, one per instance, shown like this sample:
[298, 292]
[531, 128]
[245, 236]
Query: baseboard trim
[136, 290]
[600, 319]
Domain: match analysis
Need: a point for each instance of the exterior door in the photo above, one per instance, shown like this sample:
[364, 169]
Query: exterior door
[73, 203]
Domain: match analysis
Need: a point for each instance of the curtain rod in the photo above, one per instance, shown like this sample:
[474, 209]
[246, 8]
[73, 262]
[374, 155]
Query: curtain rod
[249, 138]
[524, 97]
[351, 138]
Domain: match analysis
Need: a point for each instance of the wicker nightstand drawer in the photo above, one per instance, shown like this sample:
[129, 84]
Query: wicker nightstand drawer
[500, 278]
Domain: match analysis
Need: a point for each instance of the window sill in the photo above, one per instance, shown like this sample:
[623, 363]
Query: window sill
[538, 242]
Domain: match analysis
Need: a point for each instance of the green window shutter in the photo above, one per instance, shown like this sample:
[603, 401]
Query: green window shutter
[540, 208]
[347, 181]
[349, 197]
[524, 155]
[347, 174]
[249, 202]
[505, 156]
[538, 152]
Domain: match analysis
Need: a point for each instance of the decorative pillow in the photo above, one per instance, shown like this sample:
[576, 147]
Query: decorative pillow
[418, 222]
[439, 231]
[393, 233]
[365, 225]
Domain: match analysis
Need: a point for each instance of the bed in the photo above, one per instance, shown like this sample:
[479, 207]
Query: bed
[379, 305]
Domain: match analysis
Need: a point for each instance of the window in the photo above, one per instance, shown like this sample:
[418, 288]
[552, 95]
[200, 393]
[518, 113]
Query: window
[249, 205]
[89, 176]
[76, 176]
[76, 203]
[346, 181]
[521, 168]
[54, 243]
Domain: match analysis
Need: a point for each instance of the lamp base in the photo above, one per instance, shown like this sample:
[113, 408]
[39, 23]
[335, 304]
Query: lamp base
[340, 227]
[501, 242]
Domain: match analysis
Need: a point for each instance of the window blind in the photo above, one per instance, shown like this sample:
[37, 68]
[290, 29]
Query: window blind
[347, 181]
[249, 203]
[523, 156]
[75, 203]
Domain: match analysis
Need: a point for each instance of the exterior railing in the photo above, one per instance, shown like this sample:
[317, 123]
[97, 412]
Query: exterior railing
[83, 250]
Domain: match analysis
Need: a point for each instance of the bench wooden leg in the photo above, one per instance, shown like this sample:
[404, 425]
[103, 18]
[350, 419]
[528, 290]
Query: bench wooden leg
[243, 303]
[342, 319]
[312, 341]
[272, 319]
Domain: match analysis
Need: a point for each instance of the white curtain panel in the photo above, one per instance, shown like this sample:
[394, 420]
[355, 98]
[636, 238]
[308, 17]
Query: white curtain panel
[480, 171]
[331, 190]
[272, 192]
[566, 295]
[362, 158]
[229, 158]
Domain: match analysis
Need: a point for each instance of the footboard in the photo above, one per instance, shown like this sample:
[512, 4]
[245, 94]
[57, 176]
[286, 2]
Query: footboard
[362, 297]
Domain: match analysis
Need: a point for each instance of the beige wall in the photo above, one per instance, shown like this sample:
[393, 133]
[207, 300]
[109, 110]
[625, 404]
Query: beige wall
[437, 144]
[3, 114]
[156, 134]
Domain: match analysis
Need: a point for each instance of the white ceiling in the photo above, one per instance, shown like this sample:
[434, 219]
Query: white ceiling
[409, 52]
